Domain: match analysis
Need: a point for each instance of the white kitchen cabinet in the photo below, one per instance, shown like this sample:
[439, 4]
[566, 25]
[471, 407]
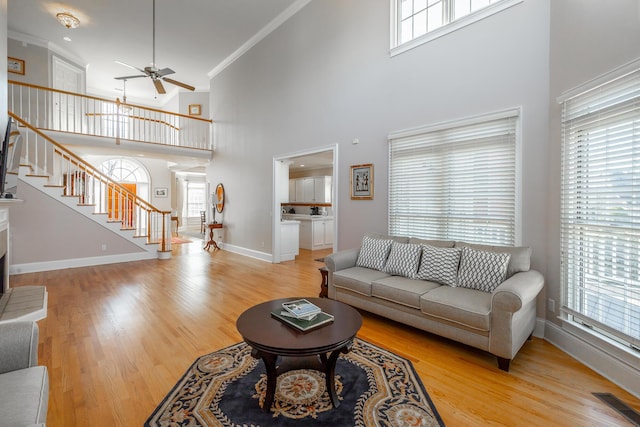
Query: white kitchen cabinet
[322, 189]
[306, 233]
[322, 234]
[289, 240]
[292, 190]
[310, 190]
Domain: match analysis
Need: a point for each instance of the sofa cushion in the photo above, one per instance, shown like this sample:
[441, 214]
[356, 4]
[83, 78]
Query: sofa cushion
[482, 270]
[357, 279]
[437, 243]
[468, 307]
[24, 396]
[401, 290]
[439, 265]
[520, 255]
[373, 253]
[403, 259]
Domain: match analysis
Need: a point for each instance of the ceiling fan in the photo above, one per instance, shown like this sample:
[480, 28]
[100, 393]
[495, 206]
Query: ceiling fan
[157, 75]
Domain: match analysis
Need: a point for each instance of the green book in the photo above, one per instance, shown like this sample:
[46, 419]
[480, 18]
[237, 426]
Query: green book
[304, 325]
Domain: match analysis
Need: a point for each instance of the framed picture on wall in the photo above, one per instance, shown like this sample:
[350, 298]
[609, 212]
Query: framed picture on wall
[161, 192]
[195, 109]
[362, 182]
[15, 65]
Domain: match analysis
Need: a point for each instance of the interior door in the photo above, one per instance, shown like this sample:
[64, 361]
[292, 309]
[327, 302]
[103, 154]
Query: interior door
[67, 111]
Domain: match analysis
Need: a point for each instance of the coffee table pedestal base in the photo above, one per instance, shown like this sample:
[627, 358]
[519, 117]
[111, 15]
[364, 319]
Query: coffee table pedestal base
[318, 362]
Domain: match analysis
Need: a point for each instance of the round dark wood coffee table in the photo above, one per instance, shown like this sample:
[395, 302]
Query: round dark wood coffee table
[283, 348]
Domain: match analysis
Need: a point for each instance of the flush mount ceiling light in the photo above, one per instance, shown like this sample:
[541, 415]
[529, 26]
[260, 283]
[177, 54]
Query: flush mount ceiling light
[68, 20]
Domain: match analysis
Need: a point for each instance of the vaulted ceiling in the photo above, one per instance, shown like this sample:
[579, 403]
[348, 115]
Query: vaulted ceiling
[193, 37]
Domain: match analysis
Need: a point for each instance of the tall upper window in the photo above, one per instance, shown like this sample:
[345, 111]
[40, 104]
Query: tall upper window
[600, 215]
[418, 21]
[456, 181]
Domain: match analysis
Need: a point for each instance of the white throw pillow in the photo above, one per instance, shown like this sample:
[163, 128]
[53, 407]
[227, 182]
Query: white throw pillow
[482, 270]
[439, 265]
[403, 260]
[373, 253]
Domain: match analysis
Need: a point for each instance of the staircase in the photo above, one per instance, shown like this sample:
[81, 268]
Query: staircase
[59, 173]
[46, 116]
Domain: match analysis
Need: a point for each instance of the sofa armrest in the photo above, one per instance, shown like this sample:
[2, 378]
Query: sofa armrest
[517, 291]
[342, 259]
[18, 346]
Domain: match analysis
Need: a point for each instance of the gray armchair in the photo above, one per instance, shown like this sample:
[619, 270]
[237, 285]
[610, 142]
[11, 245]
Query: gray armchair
[24, 386]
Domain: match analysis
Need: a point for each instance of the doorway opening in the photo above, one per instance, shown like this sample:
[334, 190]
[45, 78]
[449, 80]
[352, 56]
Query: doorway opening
[321, 163]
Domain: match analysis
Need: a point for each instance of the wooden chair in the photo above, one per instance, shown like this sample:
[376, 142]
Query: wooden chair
[203, 222]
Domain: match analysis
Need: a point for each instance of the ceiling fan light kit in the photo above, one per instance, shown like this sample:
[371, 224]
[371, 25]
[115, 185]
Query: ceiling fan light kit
[157, 75]
[68, 20]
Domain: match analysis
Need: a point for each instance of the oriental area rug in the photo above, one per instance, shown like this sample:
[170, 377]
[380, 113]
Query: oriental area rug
[227, 388]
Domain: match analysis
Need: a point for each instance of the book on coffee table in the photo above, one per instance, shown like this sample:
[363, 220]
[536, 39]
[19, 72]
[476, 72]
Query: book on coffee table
[301, 308]
[303, 325]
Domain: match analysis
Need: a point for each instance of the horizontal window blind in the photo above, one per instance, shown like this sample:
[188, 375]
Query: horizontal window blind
[455, 183]
[600, 212]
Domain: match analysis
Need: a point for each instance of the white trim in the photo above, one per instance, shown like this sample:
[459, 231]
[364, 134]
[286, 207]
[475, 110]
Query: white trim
[260, 35]
[512, 112]
[262, 256]
[620, 71]
[79, 262]
[595, 353]
[476, 16]
[275, 247]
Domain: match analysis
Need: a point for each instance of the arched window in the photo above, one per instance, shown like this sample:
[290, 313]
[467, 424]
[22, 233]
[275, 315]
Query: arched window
[128, 171]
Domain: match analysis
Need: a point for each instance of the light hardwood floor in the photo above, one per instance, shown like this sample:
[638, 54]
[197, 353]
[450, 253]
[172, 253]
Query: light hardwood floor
[118, 337]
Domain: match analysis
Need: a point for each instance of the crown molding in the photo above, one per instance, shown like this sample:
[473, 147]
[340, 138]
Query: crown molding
[259, 36]
[49, 45]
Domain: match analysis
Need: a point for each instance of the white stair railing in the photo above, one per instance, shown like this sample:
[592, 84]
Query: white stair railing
[77, 178]
[58, 110]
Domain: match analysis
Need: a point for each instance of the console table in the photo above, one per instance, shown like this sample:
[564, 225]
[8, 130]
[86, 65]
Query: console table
[212, 226]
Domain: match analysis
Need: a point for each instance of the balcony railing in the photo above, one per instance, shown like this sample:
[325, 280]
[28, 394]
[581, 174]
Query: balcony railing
[79, 179]
[58, 110]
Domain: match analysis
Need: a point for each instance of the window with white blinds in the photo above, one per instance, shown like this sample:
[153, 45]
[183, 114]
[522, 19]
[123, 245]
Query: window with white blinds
[600, 216]
[456, 181]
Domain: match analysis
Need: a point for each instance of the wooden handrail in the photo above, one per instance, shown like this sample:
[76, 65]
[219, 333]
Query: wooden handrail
[84, 165]
[162, 122]
[107, 100]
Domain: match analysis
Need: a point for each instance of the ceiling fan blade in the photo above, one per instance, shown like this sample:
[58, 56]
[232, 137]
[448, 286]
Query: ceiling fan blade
[130, 77]
[165, 72]
[159, 87]
[130, 66]
[177, 83]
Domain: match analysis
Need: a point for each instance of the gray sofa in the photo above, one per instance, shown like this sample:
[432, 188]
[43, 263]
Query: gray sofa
[24, 386]
[485, 298]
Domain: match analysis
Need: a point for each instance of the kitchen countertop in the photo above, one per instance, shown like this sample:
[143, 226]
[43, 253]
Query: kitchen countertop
[305, 217]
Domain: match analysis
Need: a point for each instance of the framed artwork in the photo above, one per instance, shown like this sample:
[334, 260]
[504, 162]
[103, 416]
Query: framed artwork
[195, 109]
[15, 65]
[161, 192]
[362, 182]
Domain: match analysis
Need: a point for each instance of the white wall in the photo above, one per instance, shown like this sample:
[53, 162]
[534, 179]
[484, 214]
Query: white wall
[159, 177]
[45, 230]
[326, 77]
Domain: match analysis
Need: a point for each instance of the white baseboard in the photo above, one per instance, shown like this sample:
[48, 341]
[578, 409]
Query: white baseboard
[539, 329]
[596, 357]
[79, 262]
[262, 256]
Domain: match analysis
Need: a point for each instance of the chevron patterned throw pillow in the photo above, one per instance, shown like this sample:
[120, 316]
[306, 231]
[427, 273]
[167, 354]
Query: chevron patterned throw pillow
[373, 253]
[403, 260]
[439, 265]
[482, 270]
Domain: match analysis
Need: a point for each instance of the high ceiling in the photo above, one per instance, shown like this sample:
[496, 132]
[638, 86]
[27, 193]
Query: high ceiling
[193, 37]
